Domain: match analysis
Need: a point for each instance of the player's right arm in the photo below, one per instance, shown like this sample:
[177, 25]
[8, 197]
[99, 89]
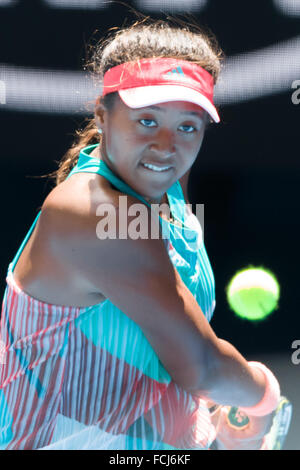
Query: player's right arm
[139, 278]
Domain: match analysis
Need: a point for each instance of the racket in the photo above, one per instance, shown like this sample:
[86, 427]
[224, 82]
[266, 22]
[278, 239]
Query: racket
[275, 438]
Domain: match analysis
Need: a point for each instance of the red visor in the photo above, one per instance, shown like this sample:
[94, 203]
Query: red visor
[156, 80]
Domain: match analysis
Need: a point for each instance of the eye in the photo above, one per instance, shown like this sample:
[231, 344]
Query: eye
[146, 122]
[190, 129]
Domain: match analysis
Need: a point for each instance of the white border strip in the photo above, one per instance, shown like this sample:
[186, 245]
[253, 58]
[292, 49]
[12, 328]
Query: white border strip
[260, 73]
[288, 7]
[244, 77]
[47, 91]
[172, 5]
[8, 3]
[78, 4]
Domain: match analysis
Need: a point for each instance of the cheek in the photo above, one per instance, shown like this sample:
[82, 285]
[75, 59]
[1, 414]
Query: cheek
[116, 140]
[123, 149]
[192, 148]
[123, 133]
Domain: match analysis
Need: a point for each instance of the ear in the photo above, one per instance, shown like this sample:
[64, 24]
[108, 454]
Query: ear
[99, 111]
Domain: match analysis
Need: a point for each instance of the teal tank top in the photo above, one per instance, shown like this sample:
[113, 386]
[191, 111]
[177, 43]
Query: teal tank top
[90, 377]
[185, 245]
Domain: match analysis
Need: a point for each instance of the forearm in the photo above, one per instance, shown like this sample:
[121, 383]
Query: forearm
[230, 380]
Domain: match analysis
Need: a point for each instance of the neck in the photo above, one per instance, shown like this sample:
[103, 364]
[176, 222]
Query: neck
[163, 199]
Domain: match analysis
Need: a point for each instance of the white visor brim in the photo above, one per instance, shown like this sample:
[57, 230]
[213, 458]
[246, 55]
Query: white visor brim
[141, 97]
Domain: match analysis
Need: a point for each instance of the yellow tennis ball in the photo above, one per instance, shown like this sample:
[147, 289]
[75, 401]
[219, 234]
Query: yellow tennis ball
[253, 293]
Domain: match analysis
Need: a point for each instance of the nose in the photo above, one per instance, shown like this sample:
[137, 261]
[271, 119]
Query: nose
[164, 144]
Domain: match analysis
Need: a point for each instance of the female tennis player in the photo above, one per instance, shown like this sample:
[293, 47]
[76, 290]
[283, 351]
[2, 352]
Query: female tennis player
[107, 341]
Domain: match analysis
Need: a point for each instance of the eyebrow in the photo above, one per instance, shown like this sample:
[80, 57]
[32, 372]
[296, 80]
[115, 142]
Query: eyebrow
[193, 113]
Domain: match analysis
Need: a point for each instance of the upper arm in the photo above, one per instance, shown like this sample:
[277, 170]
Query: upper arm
[139, 278]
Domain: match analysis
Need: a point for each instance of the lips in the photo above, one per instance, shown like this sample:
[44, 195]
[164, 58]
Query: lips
[157, 169]
[158, 164]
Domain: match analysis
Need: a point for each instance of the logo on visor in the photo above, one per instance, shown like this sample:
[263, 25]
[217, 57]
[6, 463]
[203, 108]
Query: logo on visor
[176, 74]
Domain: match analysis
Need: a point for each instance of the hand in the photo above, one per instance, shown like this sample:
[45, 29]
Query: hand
[249, 438]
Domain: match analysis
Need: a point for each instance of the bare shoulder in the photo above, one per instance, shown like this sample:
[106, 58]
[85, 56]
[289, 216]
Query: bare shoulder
[79, 195]
[90, 225]
[76, 207]
[134, 273]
